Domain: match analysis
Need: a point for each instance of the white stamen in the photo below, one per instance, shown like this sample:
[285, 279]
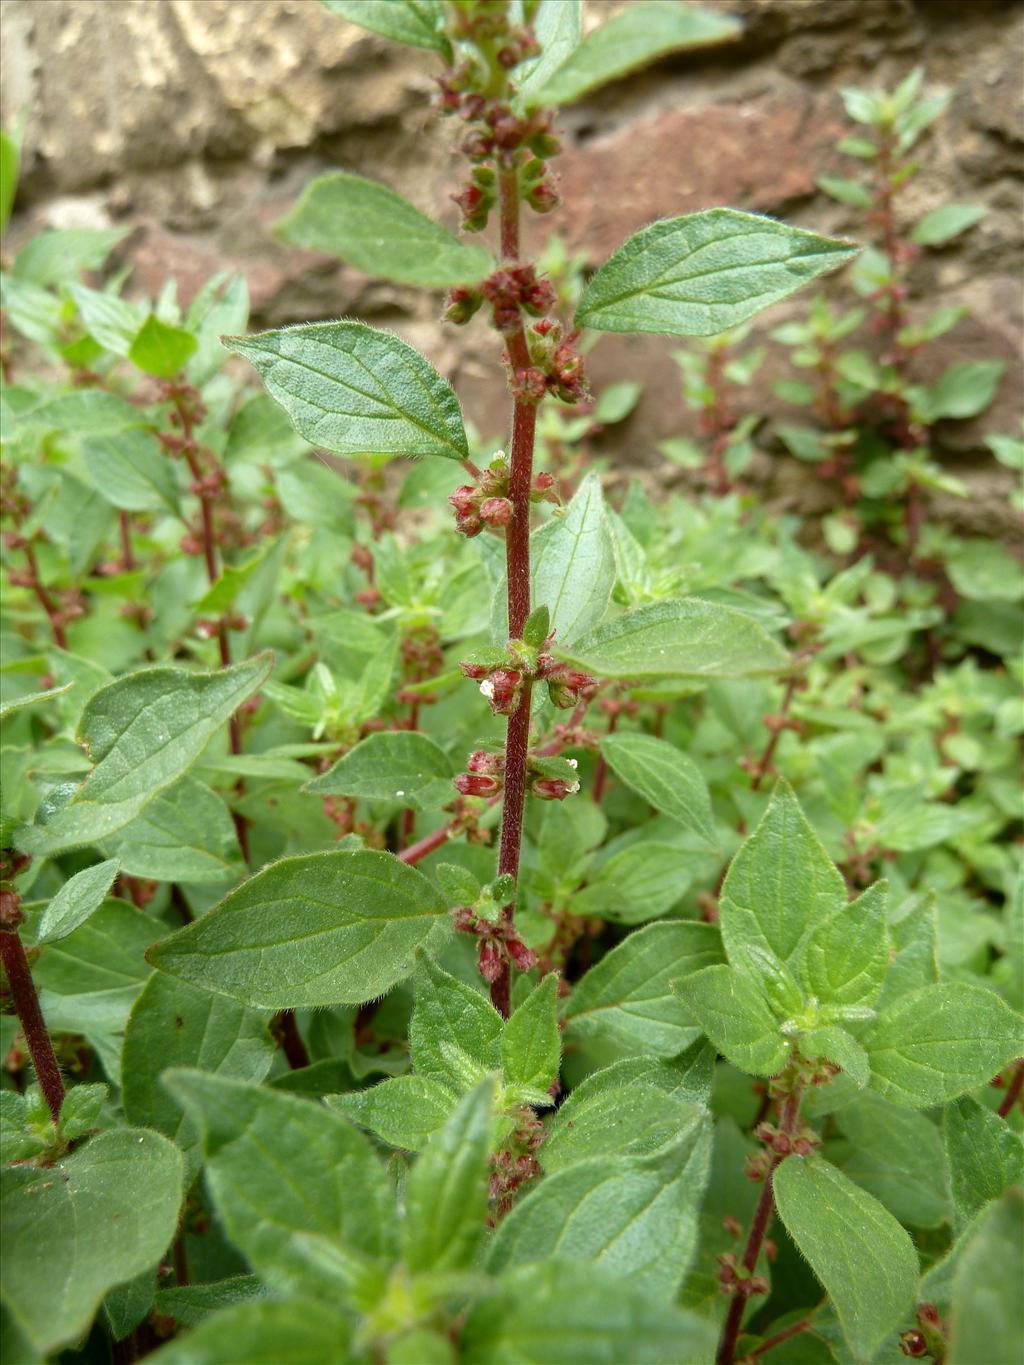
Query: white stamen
[487, 688]
[572, 762]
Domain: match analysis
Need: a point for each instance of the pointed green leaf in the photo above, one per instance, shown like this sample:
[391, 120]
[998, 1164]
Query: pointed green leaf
[844, 960]
[558, 25]
[184, 835]
[455, 1031]
[381, 233]
[732, 1012]
[941, 225]
[143, 732]
[985, 1156]
[446, 1193]
[320, 929]
[631, 39]
[392, 765]
[129, 469]
[663, 776]
[258, 1143]
[625, 1003]
[634, 1216]
[630, 1119]
[531, 1043]
[190, 1304]
[355, 390]
[859, 1252]
[419, 23]
[76, 900]
[403, 1111]
[963, 390]
[174, 1025]
[561, 1310]
[301, 1331]
[938, 1042]
[896, 1155]
[160, 349]
[780, 884]
[74, 1230]
[986, 1318]
[681, 639]
[705, 272]
[637, 883]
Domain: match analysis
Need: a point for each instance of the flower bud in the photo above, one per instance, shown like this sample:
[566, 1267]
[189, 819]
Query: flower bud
[553, 788]
[461, 305]
[475, 671]
[913, 1343]
[470, 525]
[476, 784]
[523, 957]
[492, 959]
[543, 197]
[502, 690]
[480, 761]
[496, 511]
[529, 385]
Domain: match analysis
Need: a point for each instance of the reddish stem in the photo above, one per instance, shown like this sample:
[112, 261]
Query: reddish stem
[124, 522]
[292, 1045]
[423, 848]
[755, 1239]
[30, 1016]
[1013, 1090]
[601, 770]
[763, 768]
[517, 561]
[45, 600]
[771, 1342]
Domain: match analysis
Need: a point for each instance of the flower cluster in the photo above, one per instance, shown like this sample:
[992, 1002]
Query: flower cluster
[484, 775]
[502, 684]
[499, 943]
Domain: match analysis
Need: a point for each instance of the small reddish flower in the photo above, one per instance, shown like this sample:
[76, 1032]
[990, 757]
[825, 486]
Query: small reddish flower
[476, 784]
[496, 512]
[492, 959]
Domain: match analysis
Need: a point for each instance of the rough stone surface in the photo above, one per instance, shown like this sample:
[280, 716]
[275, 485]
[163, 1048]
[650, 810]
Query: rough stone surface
[198, 122]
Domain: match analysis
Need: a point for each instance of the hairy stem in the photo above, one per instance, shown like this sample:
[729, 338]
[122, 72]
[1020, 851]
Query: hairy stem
[1013, 1090]
[517, 562]
[45, 600]
[30, 1016]
[755, 1239]
[770, 1343]
[765, 763]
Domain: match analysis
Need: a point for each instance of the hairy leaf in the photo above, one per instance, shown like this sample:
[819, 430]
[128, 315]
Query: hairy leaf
[704, 273]
[419, 23]
[392, 765]
[319, 929]
[76, 900]
[985, 1156]
[356, 390]
[663, 776]
[381, 233]
[732, 1012]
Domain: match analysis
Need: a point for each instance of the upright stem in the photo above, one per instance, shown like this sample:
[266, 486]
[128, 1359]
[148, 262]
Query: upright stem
[45, 600]
[764, 766]
[124, 523]
[1013, 1090]
[517, 562]
[30, 1016]
[755, 1238]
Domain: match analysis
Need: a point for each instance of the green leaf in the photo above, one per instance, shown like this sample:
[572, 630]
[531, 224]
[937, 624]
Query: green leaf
[986, 1317]
[257, 1141]
[963, 390]
[320, 929]
[446, 1193]
[858, 1251]
[573, 564]
[896, 1155]
[626, 1001]
[184, 835]
[301, 1331]
[835, 1044]
[732, 1012]
[130, 471]
[419, 23]
[90, 980]
[669, 780]
[846, 191]
[558, 25]
[780, 884]
[637, 883]
[381, 233]
[983, 571]
[938, 1042]
[455, 1031]
[403, 1111]
[88, 412]
[112, 321]
[143, 732]
[564, 1311]
[844, 959]
[174, 1025]
[635, 1217]
[355, 390]
[160, 349]
[629, 40]
[985, 1156]
[632, 1118]
[191, 1304]
[10, 708]
[689, 638]
[76, 900]
[392, 765]
[704, 272]
[10, 158]
[943, 224]
[531, 1044]
[74, 1230]
[61, 254]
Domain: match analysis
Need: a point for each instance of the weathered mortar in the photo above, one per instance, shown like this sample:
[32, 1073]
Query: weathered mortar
[199, 121]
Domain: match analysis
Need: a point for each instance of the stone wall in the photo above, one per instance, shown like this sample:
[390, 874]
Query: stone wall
[198, 122]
